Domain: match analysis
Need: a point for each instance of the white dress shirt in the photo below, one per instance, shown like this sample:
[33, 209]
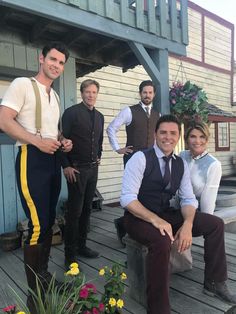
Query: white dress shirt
[133, 176]
[123, 118]
[205, 177]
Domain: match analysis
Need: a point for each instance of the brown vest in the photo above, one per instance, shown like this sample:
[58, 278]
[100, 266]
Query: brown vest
[140, 132]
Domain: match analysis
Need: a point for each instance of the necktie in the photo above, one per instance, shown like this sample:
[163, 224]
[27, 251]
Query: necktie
[166, 177]
[147, 111]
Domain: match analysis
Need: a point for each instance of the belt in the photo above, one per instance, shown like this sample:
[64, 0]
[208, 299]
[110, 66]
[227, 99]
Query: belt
[85, 165]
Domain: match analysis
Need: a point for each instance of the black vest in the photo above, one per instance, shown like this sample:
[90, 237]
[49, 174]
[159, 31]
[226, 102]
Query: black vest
[140, 132]
[86, 134]
[151, 193]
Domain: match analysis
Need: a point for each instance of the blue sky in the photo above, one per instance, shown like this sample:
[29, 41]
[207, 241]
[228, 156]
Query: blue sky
[225, 9]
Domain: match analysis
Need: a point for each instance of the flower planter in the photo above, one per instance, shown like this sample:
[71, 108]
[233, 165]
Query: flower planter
[10, 241]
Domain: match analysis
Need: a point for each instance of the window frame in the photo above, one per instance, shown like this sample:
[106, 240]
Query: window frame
[217, 136]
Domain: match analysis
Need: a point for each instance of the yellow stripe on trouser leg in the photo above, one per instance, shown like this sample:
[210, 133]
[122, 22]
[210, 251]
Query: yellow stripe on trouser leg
[26, 193]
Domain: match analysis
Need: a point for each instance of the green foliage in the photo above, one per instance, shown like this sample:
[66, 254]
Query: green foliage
[114, 288]
[75, 295]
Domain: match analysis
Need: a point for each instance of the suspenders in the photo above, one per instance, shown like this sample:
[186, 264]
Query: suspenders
[38, 111]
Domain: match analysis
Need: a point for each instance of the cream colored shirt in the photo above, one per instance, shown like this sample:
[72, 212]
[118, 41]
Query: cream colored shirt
[21, 98]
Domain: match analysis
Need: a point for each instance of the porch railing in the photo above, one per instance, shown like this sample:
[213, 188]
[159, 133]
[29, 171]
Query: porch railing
[165, 18]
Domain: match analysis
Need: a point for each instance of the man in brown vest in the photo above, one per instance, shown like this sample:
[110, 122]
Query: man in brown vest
[140, 121]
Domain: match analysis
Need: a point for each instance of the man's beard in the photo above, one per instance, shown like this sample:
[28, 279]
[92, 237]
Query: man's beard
[146, 101]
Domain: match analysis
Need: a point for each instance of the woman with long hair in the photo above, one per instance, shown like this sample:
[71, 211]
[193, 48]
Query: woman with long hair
[205, 169]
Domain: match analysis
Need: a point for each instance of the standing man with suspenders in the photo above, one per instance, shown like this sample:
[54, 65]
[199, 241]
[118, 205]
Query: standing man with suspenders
[37, 165]
[140, 121]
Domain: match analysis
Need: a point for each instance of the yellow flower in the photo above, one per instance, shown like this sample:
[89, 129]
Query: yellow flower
[123, 276]
[112, 302]
[74, 265]
[68, 273]
[72, 272]
[102, 272]
[20, 312]
[120, 303]
[111, 272]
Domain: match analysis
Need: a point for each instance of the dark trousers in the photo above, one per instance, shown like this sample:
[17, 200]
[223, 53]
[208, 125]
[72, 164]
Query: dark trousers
[39, 182]
[80, 197]
[208, 226]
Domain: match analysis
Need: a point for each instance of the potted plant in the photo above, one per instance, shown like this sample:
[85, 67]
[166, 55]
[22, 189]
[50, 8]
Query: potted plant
[188, 102]
[76, 295]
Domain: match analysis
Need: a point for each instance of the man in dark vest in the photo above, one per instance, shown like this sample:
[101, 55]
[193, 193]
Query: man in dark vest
[84, 125]
[140, 121]
[151, 179]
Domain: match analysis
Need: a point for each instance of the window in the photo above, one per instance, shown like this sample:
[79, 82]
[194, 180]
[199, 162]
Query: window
[222, 136]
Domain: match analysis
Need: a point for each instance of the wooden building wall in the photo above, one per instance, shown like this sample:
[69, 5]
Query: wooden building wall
[208, 64]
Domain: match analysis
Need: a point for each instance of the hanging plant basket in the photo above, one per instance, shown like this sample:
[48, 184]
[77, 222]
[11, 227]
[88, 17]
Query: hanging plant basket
[188, 102]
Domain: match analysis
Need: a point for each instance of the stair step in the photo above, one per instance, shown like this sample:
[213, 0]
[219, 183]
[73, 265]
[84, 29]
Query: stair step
[226, 197]
[230, 181]
[227, 214]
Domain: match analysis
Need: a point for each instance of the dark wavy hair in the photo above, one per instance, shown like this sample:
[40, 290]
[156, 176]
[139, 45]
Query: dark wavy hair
[146, 83]
[58, 46]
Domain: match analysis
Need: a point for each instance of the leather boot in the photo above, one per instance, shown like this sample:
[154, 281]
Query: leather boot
[46, 250]
[45, 275]
[32, 261]
[220, 290]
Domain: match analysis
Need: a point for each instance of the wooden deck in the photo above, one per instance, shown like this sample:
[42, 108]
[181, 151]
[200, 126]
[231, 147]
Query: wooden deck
[186, 288]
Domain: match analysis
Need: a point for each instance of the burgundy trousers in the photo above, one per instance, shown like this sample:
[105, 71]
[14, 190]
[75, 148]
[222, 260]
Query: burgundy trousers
[159, 246]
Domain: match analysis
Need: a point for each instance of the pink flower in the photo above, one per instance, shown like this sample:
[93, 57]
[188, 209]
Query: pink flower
[95, 310]
[101, 307]
[9, 309]
[84, 293]
[91, 286]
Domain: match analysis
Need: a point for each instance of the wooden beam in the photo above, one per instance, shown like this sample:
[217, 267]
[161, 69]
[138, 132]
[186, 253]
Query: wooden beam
[39, 28]
[160, 59]
[139, 14]
[97, 46]
[82, 19]
[163, 18]
[145, 59]
[173, 18]
[184, 20]
[152, 24]
[155, 63]
[4, 15]
[124, 12]
[72, 37]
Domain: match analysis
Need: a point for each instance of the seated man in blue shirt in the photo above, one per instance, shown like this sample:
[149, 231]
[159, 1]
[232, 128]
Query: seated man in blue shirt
[150, 180]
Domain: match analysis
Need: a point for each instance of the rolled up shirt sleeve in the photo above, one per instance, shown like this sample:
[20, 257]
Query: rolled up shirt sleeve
[185, 192]
[132, 178]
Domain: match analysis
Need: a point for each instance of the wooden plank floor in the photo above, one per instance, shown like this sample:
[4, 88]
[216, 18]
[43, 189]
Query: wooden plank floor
[186, 288]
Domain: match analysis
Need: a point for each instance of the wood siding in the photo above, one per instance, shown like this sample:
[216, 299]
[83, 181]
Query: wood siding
[208, 64]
